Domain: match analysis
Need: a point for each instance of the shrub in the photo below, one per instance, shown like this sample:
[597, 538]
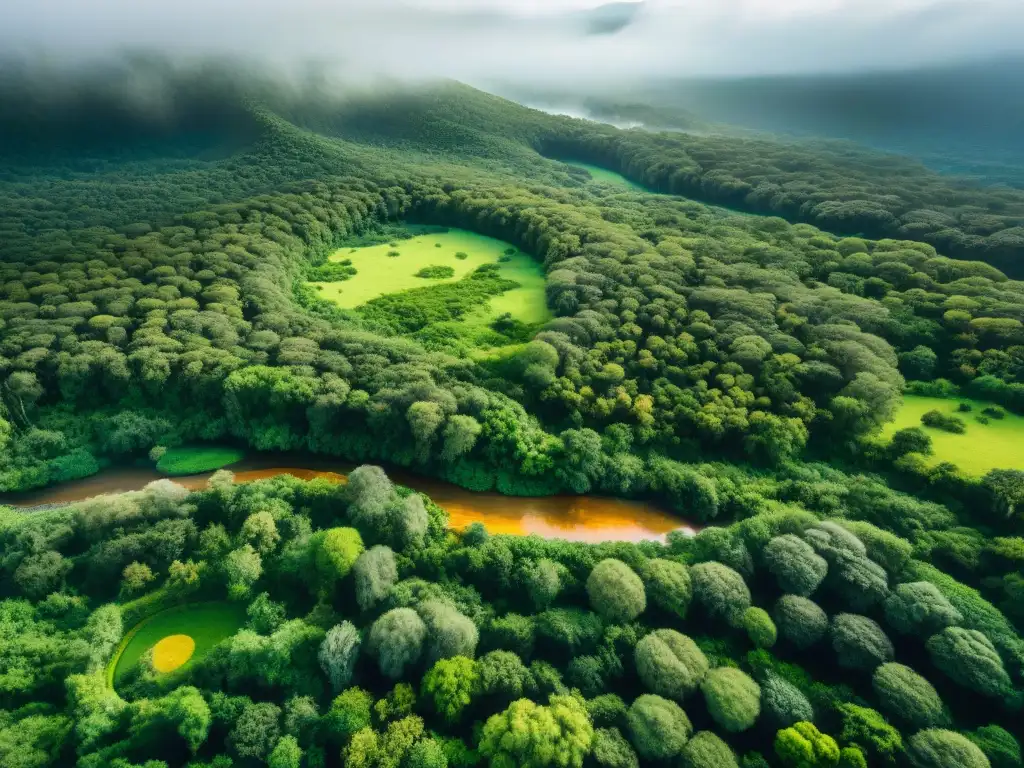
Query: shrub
[859, 642]
[994, 412]
[732, 697]
[829, 539]
[338, 654]
[721, 590]
[804, 746]
[670, 663]
[999, 746]
[906, 695]
[349, 712]
[860, 581]
[800, 621]
[436, 272]
[573, 630]
[396, 641]
[969, 658]
[586, 674]
[937, 748]
[658, 728]
[611, 750]
[428, 753]
[885, 548]
[938, 420]
[542, 582]
[760, 627]
[797, 568]
[512, 632]
[706, 750]
[461, 255]
[668, 585]
[607, 709]
[335, 551]
[918, 607]
[615, 591]
[783, 702]
[867, 729]
[910, 440]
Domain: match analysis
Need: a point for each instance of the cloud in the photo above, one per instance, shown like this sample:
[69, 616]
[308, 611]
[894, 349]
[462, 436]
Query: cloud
[482, 41]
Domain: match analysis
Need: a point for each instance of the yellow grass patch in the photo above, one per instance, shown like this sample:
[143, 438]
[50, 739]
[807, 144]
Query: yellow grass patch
[173, 651]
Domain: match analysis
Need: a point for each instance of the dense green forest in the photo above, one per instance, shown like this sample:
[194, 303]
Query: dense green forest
[853, 603]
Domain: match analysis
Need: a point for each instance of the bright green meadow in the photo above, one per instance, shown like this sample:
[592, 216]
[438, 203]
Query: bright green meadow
[996, 445]
[379, 274]
[604, 176]
[194, 459]
[206, 623]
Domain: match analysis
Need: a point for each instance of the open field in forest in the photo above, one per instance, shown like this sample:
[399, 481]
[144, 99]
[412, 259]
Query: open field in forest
[996, 445]
[193, 459]
[206, 623]
[604, 176]
[378, 274]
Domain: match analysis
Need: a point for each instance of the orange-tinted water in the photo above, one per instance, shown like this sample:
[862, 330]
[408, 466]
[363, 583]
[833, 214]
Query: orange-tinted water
[576, 518]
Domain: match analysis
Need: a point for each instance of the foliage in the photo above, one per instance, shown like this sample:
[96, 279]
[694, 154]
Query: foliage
[658, 728]
[800, 621]
[530, 734]
[759, 627]
[795, 565]
[615, 591]
[937, 748]
[804, 746]
[918, 607]
[721, 590]
[908, 697]
[783, 702]
[859, 642]
[732, 697]
[396, 641]
[668, 585]
[670, 663]
[450, 683]
[969, 658]
[706, 750]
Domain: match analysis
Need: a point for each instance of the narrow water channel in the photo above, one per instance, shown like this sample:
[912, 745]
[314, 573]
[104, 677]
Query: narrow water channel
[576, 518]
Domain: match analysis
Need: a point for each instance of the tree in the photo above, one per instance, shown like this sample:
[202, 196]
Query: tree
[707, 750]
[375, 572]
[542, 582]
[531, 735]
[135, 578]
[301, 717]
[615, 591]
[611, 750]
[795, 565]
[861, 582]
[103, 631]
[783, 702]
[396, 641]
[869, 731]
[937, 748]
[1007, 489]
[668, 585]
[859, 642]
[800, 621]
[450, 684]
[968, 657]
[670, 663]
[257, 730]
[910, 440]
[264, 615]
[260, 530]
[502, 674]
[658, 728]
[42, 573]
[369, 493]
[759, 627]
[349, 713]
[804, 746]
[449, 633]
[428, 753]
[721, 590]
[243, 568]
[919, 363]
[917, 607]
[286, 754]
[732, 697]
[460, 435]
[338, 654]
[998, 744]
[907, 696]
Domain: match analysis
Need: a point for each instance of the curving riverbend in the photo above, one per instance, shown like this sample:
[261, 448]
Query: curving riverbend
[575, 518]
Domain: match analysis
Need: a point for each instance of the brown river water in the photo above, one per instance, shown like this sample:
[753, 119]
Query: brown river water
[576, 518]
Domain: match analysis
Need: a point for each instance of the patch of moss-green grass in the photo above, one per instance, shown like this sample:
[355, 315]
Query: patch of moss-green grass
[193, 459]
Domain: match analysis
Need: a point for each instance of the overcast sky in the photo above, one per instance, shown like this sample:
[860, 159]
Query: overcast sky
[480, 40]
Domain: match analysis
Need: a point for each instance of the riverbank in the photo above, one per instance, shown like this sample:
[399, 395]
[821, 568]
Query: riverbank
[575, 518]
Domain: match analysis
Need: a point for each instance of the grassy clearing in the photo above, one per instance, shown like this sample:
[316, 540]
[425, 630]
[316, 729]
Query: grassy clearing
[205, 623]
[378, 274]
[604, 176]
[996, 445]
[191, 460]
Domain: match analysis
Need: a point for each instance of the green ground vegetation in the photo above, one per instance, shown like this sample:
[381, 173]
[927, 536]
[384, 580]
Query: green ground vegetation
[998, 443]
[604, 176]
[206, 623]
[194, 459]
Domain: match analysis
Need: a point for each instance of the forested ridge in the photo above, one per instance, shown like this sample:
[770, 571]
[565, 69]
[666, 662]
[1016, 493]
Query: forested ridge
[153, 293]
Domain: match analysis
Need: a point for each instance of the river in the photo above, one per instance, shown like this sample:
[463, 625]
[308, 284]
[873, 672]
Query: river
[575, 518]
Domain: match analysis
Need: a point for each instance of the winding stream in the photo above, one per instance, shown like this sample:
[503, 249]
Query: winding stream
[575, 518]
